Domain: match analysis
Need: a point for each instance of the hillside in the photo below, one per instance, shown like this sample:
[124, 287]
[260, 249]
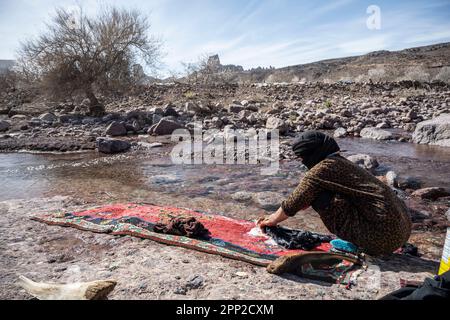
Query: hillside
[422, 63]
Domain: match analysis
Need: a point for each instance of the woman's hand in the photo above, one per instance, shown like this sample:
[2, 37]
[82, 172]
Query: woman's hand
[273, 220]
[269, 221]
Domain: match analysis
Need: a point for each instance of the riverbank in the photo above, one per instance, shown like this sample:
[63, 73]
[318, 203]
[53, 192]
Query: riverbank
[71, 181]
[148, 270]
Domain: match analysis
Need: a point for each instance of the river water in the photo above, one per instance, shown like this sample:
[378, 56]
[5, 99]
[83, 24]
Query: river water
[30, 175]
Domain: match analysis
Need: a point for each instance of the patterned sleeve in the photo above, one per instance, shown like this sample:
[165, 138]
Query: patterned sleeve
[301, 198]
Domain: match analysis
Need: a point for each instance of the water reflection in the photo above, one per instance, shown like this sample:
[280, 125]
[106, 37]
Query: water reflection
[26, 175]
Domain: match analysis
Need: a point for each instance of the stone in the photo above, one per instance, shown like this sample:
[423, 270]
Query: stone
[192, 107]
[235, 108]
[365, 161]
[435, 131]
[4, 125]
[391, 179]
[169, 110]
[275, 123]
[242, 196]
[109, 145]
[268, 200]
[376, 134]
[156, 118]
[195, 282]
[48, 117]
[383, 125]
[432, 193]
[340, 133]
[447, 214]
[409, 183]
[148, 145]
[165, 127]
[242, 275]
[19, 117]
[116, 129]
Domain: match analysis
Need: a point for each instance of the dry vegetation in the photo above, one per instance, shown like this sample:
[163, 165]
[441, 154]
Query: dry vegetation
[89, 54]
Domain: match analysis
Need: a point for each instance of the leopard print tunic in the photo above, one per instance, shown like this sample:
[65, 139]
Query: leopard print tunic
[362, 210]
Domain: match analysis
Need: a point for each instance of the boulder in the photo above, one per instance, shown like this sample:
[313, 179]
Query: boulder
[242, 196]
[4, 125]
[192, 107]
[169, 110]
[273, 123]
[71, 118]
[19, 117]
[376, 134]
[409, 183]
[116, 129]
[434, 132]
[365, 161]
[109, 145]
[165, 127]
[432, 193]
[269, 201]
[48, 117]
[235, 108]
[340, 133]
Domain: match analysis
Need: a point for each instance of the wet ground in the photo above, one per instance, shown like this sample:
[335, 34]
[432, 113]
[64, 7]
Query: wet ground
[87, 179]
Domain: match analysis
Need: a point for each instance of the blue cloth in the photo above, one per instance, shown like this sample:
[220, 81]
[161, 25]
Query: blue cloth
[343, 245]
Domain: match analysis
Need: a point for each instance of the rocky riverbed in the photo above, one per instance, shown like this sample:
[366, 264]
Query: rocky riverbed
[124, 156]
[402, 111]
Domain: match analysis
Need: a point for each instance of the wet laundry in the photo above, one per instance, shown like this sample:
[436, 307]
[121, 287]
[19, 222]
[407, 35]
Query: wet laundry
[180, 226]
[296, 239]
[410, 250]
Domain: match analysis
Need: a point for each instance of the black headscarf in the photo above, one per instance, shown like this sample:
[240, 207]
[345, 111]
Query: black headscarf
[313, 147]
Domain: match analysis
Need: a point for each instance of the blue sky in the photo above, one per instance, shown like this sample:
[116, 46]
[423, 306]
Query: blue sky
[255, 32]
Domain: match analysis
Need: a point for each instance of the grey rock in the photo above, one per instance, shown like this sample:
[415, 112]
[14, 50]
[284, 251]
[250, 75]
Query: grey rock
[109, 145]
[116, 129]
[242, 196]
[192, 107]
[169, 110]
[165, 127]
[432, 193]
[156, 118]
[270, 201]
[195, 282]
[48, 117]
[180, 291]
[276, 123]
[376, 134]
[235, 108]
[340, 133]
[4, 125]
[434, 132]
[409, 183]
[365, 161]
[392, 179]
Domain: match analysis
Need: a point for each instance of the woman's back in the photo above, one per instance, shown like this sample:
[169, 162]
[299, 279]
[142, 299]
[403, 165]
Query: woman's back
[370, 213]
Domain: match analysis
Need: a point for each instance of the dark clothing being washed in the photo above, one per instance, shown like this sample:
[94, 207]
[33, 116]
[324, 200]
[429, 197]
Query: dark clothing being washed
[296, 239]
[189, 227]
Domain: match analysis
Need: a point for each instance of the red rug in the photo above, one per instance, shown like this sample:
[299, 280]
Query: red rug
[232, 238]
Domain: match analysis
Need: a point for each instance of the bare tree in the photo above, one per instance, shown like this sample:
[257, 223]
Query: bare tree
[89, 54]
